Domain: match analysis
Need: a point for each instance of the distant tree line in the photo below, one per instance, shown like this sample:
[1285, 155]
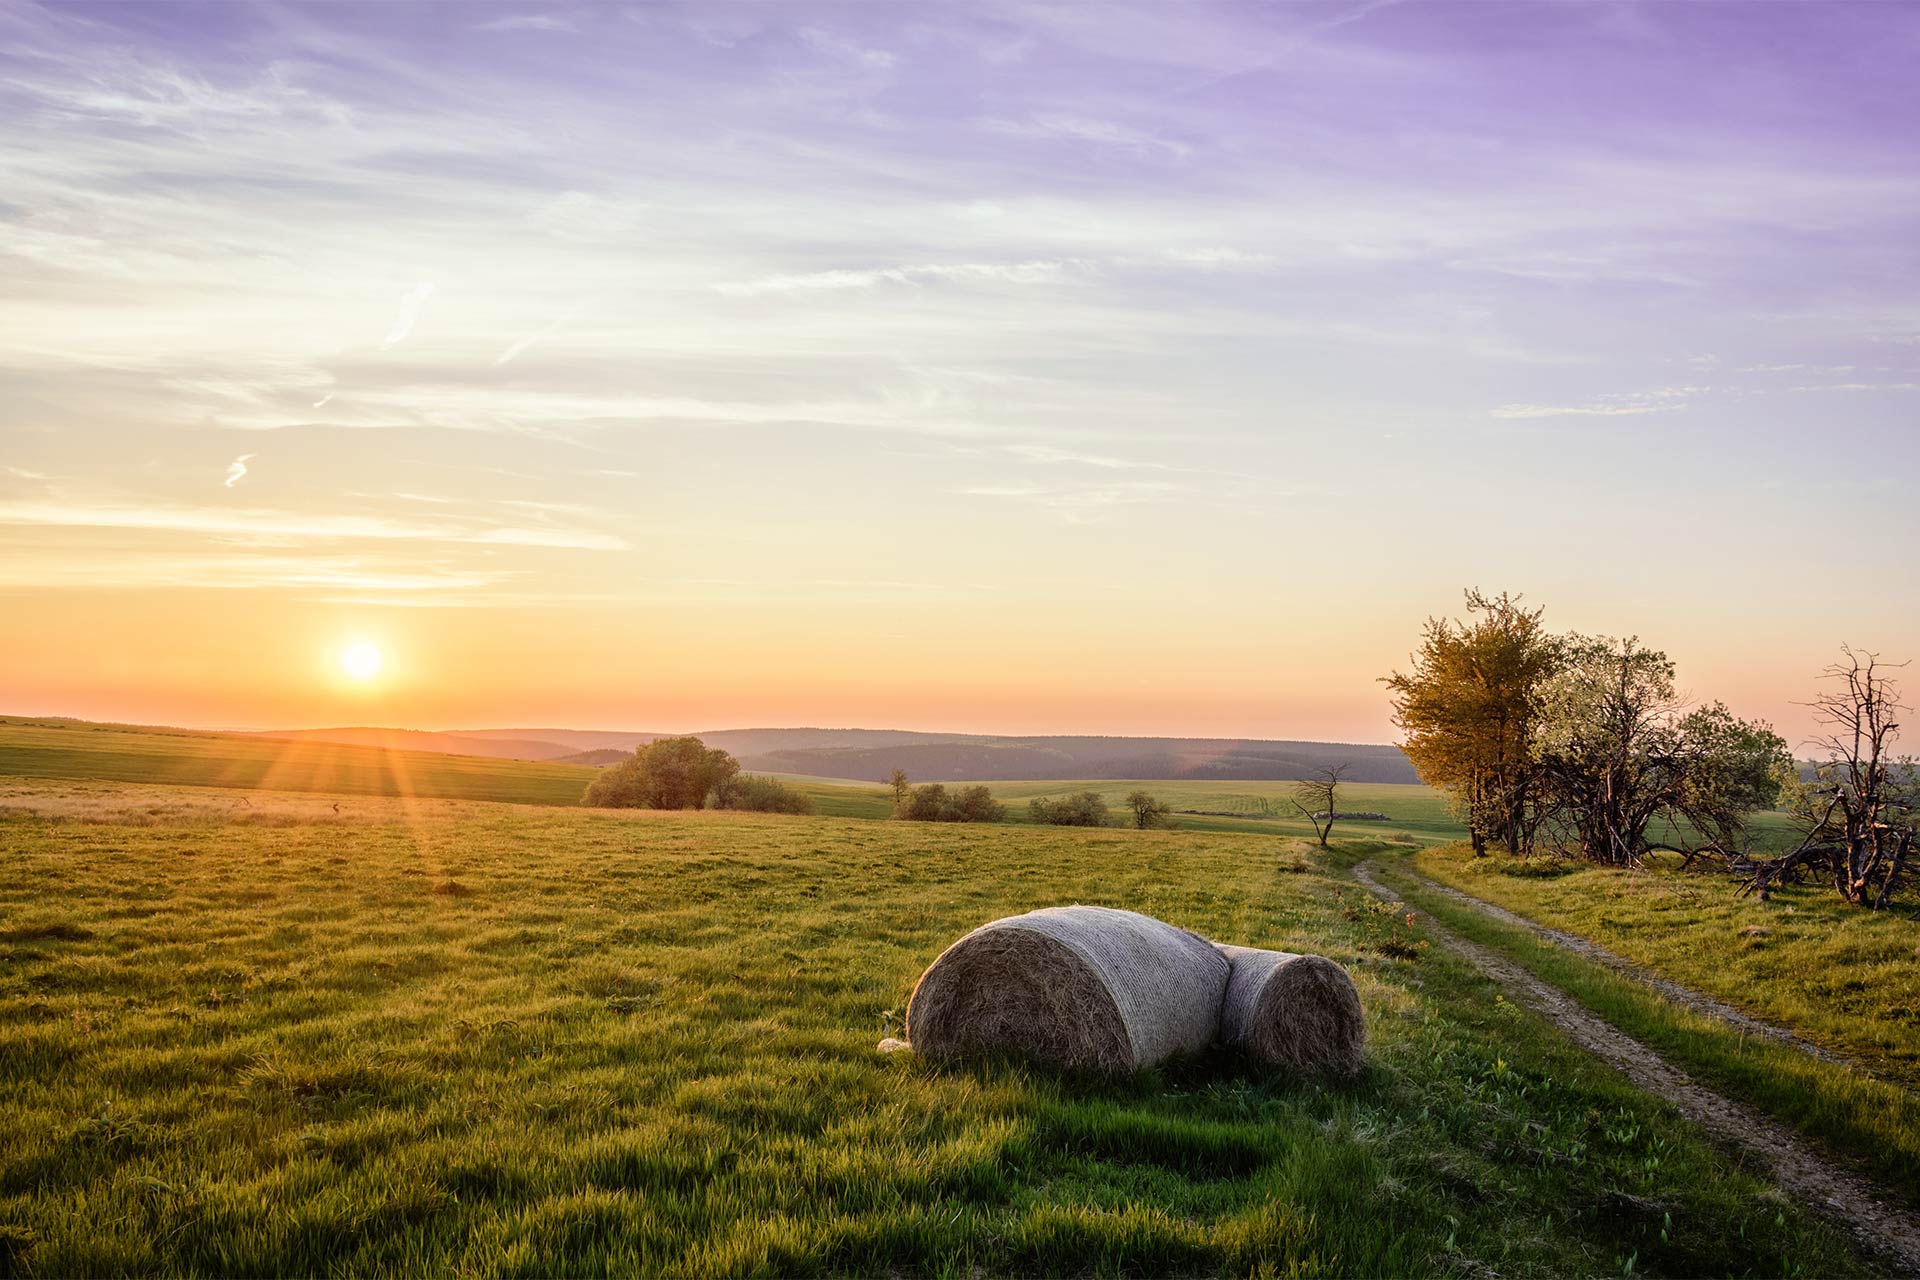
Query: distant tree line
[685, 773]
[1583, 743]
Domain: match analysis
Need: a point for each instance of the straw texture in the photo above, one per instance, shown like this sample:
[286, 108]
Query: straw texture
[1293, 1011]
[1076, 986]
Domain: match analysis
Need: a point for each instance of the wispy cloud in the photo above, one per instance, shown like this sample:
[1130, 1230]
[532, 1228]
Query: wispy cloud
[1860, 386]
[527, 22]
[266, 526]
[1656, 400]
[237, 469]
[838, 46]
[1078, 503]
[1034, 272]
[1104, 133]
[1578, 410]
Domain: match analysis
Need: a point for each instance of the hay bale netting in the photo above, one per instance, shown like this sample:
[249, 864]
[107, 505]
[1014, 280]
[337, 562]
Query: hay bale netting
[1293, 1011]
[1083, 987]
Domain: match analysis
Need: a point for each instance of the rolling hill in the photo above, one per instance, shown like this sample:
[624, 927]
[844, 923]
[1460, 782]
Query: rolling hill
[873, 754]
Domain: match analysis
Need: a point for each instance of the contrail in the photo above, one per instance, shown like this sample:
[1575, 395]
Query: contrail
[537, 336]
[321, 403]
[238, 468]
[409, 312]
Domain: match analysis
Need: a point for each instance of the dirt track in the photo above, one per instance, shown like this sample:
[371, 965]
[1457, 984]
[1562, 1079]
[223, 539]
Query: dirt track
[1849, 1199]
[1686, 997]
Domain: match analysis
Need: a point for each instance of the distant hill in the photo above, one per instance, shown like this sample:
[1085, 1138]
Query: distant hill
[567, 740]
[873, 754]
[1045, 758]
[600, 759]
[449, 744]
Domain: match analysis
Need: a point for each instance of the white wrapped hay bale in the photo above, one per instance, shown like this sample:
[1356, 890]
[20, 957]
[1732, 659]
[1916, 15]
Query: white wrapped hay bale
[1072, 986]
[1293, 1011]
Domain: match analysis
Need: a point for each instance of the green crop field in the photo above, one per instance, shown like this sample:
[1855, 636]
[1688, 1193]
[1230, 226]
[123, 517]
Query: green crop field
[432, 1035]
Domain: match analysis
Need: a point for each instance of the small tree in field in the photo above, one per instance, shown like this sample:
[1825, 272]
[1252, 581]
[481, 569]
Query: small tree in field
[1861, 812]
[1147, 811]
[1318, 797]
[900, 787]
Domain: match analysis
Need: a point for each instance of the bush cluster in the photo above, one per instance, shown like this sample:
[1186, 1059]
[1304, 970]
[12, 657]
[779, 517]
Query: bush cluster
[754, 794]
[932, 802]
[1084, 809]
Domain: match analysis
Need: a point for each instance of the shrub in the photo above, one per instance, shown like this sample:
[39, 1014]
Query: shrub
[976, 804]
[934, 803]
[1084, 809]
[766, 795]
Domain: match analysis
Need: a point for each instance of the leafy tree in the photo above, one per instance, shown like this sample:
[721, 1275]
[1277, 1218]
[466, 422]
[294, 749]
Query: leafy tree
[1083, 809]
[1147, 811]
[1318, 797]
[667, 773]
[1469, 708]
[900, 787]
[1617, 751]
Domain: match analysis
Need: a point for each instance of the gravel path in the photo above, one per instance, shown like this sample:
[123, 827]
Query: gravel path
[1849, 1199]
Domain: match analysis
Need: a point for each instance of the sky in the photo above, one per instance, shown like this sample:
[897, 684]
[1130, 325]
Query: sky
[991, 366]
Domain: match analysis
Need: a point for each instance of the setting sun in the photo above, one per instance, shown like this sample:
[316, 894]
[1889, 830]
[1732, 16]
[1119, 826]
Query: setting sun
[360, 661]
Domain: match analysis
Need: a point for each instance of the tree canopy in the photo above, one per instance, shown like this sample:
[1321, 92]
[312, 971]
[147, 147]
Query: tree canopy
[1469, 708]
[667, 773]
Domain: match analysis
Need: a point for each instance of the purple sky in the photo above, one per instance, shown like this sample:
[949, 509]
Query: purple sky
[954, 322]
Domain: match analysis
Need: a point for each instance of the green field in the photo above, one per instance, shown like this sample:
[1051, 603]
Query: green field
[423, 1036]
[126, 753]
[123, 753]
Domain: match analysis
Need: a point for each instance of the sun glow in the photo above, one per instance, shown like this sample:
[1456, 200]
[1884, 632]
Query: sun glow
[361, 661]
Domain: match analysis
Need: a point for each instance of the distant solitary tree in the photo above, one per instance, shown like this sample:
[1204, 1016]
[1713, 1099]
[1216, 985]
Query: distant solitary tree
[900, 787]
[1318, 797]
[1147, 811]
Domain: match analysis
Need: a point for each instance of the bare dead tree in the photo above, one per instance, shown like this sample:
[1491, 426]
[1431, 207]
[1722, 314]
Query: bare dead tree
[1318, 798]
[1860, 811]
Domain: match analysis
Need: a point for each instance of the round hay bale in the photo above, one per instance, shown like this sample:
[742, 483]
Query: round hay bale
[1293, 1011]
[1086, 987]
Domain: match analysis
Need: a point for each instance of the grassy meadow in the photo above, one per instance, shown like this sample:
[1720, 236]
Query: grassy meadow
[82, 751]
[75, 749]
[1837, 976]
[433, 1035]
